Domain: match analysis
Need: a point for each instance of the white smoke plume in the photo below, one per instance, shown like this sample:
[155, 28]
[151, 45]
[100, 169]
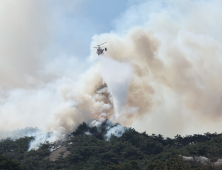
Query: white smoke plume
[175, 49]
[24, 35]
[28, 131]
[116, 131]
[111, 128]
[169, 52]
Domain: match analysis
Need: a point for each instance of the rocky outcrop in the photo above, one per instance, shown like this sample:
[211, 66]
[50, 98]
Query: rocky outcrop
[218, 162]
[55, 154]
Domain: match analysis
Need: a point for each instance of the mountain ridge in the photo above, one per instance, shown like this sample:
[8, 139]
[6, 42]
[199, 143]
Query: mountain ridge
[131, 150]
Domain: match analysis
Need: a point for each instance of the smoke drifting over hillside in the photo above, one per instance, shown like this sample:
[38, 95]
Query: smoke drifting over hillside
[162, 70]
[177, 65]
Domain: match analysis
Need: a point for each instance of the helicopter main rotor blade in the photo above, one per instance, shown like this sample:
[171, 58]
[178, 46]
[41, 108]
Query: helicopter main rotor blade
[95, 47]
[103, 43]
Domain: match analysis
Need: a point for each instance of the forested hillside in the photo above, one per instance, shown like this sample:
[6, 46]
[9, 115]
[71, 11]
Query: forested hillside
[133, 150]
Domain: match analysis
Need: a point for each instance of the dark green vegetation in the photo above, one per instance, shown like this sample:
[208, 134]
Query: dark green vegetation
[15, 156]
[132, 151]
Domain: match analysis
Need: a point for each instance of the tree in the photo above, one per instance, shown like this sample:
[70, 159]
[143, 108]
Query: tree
[9, 164]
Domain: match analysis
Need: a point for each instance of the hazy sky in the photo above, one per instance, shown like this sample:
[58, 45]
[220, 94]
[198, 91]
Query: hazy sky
[77, 21]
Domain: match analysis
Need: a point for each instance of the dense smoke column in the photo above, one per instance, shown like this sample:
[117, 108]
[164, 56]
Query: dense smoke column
[176, 71]
[174, 88]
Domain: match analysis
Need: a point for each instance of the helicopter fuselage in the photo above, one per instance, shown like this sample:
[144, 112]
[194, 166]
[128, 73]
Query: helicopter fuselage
[99, 51]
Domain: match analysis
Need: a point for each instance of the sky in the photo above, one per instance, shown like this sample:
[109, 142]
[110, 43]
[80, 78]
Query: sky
[76, 24]
[163, 64]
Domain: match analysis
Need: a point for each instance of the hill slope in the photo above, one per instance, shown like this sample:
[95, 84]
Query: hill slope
[89, 148]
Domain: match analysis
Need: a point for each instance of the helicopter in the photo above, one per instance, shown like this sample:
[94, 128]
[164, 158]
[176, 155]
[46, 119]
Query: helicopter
[99, 49]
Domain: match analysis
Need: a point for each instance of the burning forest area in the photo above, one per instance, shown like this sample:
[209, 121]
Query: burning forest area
[134, 85]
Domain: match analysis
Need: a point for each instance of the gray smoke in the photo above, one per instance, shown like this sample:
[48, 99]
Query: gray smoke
[16, 134]
[170, 55]
[176, 54]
